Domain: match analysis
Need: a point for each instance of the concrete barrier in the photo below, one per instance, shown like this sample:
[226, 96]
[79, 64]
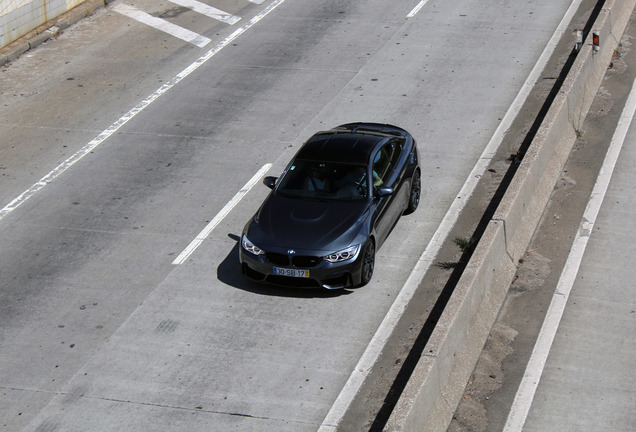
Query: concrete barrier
[434, 391]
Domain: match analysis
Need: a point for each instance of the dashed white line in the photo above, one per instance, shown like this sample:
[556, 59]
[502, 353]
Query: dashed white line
[220, 216]
[161, 24]
[417, 8]
[68, 163]
[530, 381]
[207, 10]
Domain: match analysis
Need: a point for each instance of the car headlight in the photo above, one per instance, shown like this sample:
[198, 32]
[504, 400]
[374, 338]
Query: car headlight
[343, 255]
[251, 247]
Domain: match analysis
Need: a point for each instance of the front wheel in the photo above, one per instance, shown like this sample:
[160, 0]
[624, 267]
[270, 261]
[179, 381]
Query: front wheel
[368, 262]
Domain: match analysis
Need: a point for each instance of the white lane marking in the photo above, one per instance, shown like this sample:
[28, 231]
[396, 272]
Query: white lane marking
[530, 381]
[256, 1]
[375, 347]
[220, 216]
[417, 8]
[207, 10]
[60, 169]
[161, 24]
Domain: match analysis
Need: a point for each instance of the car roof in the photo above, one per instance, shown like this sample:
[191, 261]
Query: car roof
[341, 146]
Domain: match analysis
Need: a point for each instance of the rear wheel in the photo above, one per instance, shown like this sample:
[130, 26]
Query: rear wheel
[368, 262]
[416, 190]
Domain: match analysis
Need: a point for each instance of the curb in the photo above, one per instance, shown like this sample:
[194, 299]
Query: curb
[437, 384]
[49, 30]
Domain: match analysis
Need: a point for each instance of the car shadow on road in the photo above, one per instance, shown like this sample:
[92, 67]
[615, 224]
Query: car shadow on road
[229, 273]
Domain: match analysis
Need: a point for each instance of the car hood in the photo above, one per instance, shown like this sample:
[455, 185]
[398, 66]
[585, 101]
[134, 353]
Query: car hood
[308, 225]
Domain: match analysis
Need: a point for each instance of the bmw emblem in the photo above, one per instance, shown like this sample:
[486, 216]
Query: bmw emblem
[291, 252]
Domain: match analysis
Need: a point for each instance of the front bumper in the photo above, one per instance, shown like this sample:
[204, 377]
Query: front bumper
[323, 274]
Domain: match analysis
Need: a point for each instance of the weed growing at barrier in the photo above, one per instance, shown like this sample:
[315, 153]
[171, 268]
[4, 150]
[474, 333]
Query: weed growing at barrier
[467, 245]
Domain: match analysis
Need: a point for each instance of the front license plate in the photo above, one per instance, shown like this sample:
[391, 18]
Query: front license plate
[291, 272]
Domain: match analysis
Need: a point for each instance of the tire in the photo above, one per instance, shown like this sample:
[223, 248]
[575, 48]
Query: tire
[416, 191]
[368, 262]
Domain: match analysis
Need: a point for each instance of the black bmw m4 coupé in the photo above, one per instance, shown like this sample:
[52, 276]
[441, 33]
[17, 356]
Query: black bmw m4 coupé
[332, 208]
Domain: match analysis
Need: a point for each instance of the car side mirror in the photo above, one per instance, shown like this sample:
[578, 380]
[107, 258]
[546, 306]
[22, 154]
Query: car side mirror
[270, 181]
[382, 191]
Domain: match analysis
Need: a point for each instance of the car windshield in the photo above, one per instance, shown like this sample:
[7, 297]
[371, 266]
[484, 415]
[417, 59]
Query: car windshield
[324, 181]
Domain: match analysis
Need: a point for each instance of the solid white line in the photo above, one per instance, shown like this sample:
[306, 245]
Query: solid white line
[161, 24]
[220, 216]
[207, 10]
[60, 169]
[417, 8]
[375, 347]
[527, 389]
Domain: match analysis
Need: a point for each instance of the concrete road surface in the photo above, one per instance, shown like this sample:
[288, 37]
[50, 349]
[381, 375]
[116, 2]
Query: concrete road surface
[120, 141]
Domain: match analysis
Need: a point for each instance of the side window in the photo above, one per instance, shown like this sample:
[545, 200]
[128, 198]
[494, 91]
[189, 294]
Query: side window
[383, 163]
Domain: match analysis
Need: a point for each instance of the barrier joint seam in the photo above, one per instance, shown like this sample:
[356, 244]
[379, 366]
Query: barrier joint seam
[503, 222]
